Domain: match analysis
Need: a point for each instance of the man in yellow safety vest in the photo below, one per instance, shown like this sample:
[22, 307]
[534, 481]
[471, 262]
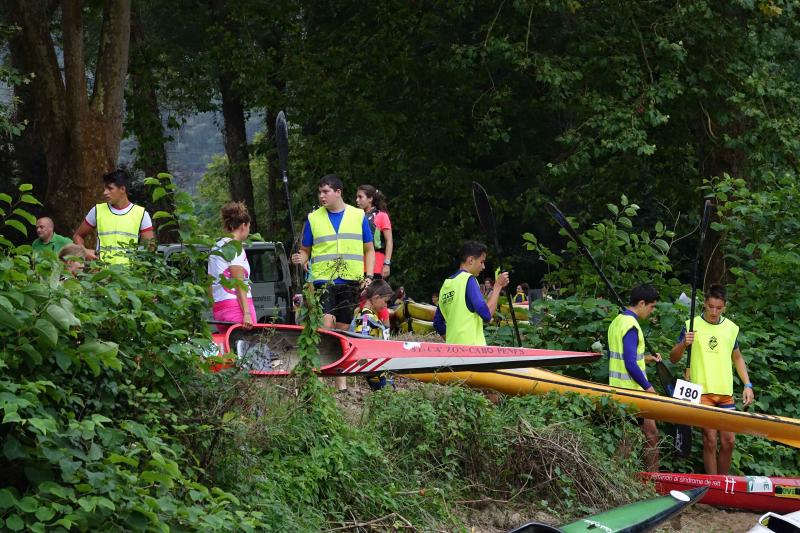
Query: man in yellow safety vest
[715, 351]
[626, 358]
[337, 246]
[462, 310]
[119, 222]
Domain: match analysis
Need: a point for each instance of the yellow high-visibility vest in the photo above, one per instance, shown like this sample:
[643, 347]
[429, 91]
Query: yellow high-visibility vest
[463, 325]
[337, 255]
[617, 373]
[712, 366]
[117, 232]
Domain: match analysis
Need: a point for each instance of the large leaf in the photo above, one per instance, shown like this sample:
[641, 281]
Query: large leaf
[48, 335]
[63, 318]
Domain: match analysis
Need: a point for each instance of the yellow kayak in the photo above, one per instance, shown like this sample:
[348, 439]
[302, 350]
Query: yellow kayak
[524, 381]
[415, 310]
[417, 326]
[520, 311]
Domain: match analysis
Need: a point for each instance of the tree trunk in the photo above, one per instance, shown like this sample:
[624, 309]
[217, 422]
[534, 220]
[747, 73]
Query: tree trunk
[239, 179]
[716, 161]
[79, 135]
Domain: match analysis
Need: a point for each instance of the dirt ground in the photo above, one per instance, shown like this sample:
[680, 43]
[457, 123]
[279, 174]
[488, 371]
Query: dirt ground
[498, 518]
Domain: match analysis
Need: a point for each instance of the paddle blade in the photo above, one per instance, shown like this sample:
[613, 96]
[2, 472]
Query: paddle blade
[559, 217]
[485, 215]
[704, 221]
[666, 378]
[282, 140]
[682, 436]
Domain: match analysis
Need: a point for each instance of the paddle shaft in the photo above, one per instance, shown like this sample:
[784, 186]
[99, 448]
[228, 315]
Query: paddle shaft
[282, 142]
[695, 272]
[559, 217]
[486, 219]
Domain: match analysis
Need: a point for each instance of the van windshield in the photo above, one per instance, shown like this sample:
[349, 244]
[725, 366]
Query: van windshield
[265, 266]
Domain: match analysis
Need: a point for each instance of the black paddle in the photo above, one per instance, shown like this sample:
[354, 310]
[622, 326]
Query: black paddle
[486, 219]
[682, 434]
[282, 141]
[703, 228]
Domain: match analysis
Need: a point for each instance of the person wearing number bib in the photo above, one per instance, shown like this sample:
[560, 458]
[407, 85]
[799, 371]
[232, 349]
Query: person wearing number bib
[462, 310]
[715, 351]
[626, 358]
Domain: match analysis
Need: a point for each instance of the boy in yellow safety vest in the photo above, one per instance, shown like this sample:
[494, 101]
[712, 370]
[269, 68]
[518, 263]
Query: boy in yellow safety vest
[715, 350]
[119, 223]
[626, 358]
[462, 310]
[337, 246]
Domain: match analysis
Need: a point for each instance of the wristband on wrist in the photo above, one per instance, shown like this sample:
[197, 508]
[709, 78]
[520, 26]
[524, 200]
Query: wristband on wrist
[370, 276]
[387, 262]
[748, 385]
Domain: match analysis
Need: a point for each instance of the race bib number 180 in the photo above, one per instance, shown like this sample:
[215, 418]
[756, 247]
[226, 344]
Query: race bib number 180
[688, 391]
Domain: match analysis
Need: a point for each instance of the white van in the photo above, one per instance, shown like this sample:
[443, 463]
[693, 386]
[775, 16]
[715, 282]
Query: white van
[270, 280]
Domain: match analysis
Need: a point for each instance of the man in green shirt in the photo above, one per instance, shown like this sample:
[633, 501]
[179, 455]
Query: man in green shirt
[47, 239]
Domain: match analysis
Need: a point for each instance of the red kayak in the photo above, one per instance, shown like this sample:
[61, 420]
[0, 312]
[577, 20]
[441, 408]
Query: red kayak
[271, 350]
[754, 493]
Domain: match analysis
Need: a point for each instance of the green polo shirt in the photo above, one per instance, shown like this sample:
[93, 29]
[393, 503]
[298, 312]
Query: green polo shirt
[57, 242]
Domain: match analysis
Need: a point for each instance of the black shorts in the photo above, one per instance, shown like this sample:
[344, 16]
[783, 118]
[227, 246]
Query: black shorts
[339, 300]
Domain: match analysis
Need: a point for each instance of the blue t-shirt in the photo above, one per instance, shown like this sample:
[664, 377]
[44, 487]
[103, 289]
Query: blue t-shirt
[336, 221]
[474, 300]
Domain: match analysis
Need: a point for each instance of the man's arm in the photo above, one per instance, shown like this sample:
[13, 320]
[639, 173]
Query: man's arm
[741, 368]
[501, 281]
[302, 255]
[685, 340]
[148, 238]
[369, 257]
[439, 323]
[630, 344]
[78, 238]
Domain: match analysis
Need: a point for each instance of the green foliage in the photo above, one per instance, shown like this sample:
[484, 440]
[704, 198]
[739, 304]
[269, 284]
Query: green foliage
[629, 257]
[521, 449]
[97, 399]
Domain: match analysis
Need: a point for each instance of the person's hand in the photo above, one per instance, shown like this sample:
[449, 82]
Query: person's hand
[502, 281]
[90, 254]
[653, 358]
[688, 339]
[651, 389]
[748, 396]
[247, 320]
[386, 271]
[297, 259]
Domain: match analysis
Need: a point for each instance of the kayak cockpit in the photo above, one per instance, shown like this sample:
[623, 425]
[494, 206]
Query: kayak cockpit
[271, 350]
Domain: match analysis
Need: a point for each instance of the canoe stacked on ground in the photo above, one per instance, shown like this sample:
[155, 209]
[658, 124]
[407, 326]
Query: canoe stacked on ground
[754, 493]
[272, 350]
[520, 311]
[523, 381]
[415, 325]
[634, 517]
[415, 310]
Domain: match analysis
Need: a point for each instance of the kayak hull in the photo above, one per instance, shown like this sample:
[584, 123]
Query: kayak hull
[752, 493]
[272, 350]
[418, 326]
[632, 518]
[522, 381]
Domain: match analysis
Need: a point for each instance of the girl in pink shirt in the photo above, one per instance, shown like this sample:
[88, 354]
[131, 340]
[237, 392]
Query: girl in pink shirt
[372, 201]
[232, 304]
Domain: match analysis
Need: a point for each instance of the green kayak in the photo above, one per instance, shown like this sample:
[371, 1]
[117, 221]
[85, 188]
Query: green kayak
[631, 518]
